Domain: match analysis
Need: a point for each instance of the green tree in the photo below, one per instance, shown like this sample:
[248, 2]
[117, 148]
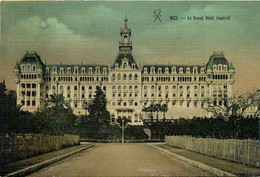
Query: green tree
[164, 109]
[97, 108]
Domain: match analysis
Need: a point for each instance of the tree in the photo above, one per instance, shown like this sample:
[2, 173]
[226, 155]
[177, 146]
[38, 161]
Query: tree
[232, 107]
[97, 108]
[164, 109]
[150, 109]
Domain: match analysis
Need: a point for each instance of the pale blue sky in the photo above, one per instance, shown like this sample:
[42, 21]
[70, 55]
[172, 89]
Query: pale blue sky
[88, 32]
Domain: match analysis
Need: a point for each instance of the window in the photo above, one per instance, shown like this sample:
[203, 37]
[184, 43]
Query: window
[130, 77]
[136, 77]
[75, 88]
[159, 88]
[82, 96]
[174, 87]
[33, 103]
[90, 87]
[136, 104]
[83, 88]
[114, 95]
[160, 70]
[104, 88]
[195, 87]
[113, 77]
[28, 103]
[145, 70]
[68, 88]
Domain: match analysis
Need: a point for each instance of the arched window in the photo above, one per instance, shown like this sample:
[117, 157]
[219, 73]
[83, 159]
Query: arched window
[75, 88]
[90, 87]
[130, 77]
[83, 88]
[136, 77]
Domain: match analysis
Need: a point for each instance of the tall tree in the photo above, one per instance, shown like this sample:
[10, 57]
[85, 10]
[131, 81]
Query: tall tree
[97, 108]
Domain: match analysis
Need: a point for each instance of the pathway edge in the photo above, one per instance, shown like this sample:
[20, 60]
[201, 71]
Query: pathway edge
[200, 165]
[45, 163]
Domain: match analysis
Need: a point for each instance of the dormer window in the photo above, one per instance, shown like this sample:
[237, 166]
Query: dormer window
[90, 70]
[202, 70]
[28, 67]
[83, 70]
[69, 70]
[75, 70]
[188, 70]
[166, 70]
[214, 67]
[219, 67]
[97, 70]
[23, 68]
[145, 70]
[117, 65]
[54, 69]
[181, 70]
[104, 70]
[225, 68]
[133, 66]
[153, 69]
[195, 70]
[159, 70]
[34, 68]
[173, 69]
[61, 70]
[124, 65]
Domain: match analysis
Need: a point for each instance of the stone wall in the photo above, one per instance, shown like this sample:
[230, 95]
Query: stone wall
[17, 147]
[244, 151]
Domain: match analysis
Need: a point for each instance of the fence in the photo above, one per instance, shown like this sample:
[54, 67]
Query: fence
[244, 151]
[17, 147]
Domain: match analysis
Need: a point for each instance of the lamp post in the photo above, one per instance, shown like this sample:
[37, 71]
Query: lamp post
[122, 127]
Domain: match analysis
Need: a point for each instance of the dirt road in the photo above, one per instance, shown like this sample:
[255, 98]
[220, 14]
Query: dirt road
[120, 160]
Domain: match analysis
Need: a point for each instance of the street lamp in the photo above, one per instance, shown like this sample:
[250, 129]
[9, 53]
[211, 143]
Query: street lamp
[122, 127]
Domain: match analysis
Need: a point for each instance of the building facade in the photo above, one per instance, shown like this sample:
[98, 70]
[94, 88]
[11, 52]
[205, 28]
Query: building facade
[128, 86]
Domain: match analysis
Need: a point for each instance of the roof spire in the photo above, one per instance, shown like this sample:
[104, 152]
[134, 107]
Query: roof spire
[125, 20]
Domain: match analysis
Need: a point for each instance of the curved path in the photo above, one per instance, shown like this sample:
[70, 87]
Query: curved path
[138, 159]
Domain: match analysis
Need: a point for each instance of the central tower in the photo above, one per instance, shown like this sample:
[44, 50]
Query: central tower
[125, 45]
[125, 56]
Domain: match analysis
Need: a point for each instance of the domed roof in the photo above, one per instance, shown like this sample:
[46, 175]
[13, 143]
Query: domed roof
[231, 66]
[215, 59]
[17, 66]
[32, 58]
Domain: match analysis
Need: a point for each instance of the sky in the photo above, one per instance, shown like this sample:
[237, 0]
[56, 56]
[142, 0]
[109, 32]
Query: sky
[88, 33]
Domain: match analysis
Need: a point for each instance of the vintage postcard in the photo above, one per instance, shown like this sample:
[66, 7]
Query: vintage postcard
[114, 71]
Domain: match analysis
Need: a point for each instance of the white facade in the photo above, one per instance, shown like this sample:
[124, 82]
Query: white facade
[128, 86]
